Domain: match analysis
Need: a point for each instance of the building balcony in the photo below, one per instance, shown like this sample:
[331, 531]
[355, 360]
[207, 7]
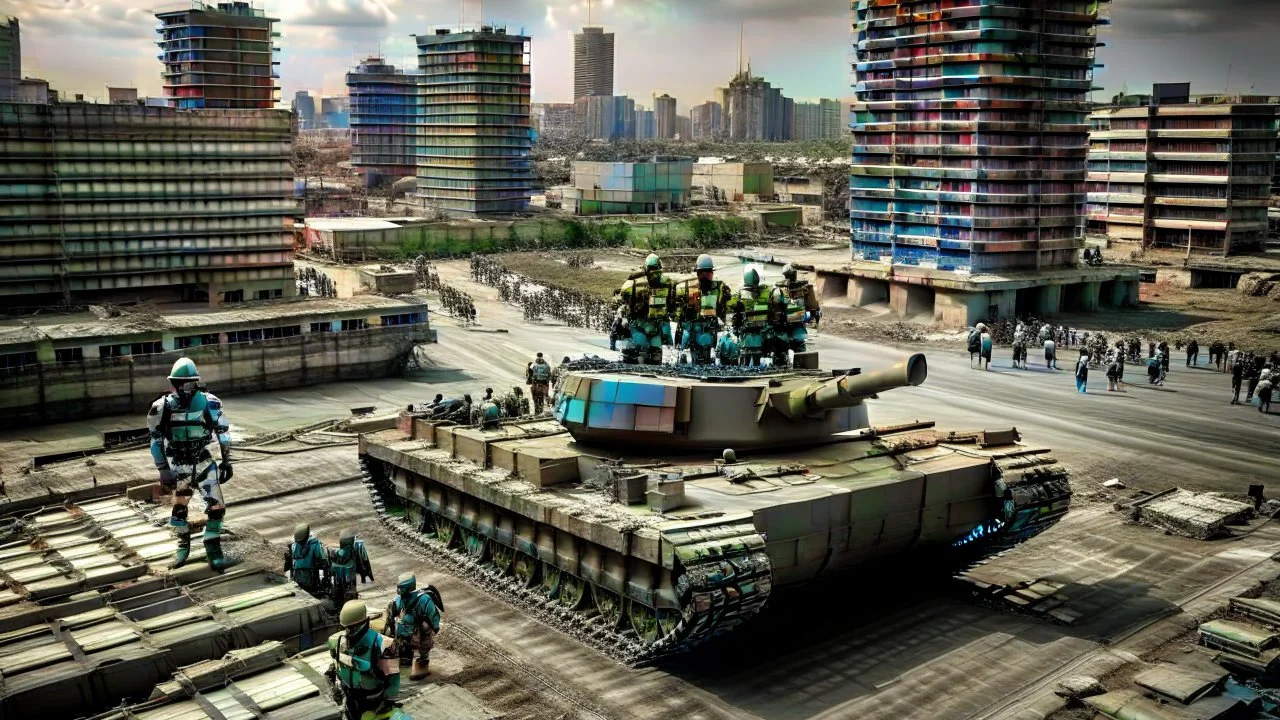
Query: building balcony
[1170, 224]
[1191, 202]
[1117, 198]
[1191, 179]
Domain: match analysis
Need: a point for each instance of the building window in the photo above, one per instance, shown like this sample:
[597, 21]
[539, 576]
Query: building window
[356, 324]
[188, 341]
[127, 349]
[321, 327]
[12, 362]
[275, 333]
[277, 293]
[264, 295]
[233, 296]
[68, 355]
[402, 319]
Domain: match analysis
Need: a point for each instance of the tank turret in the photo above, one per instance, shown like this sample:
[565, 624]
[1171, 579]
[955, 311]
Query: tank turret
[673, 409]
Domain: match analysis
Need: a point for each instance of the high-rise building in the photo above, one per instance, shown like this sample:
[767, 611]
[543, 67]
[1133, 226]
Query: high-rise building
[817, 121]
[304, 106]
[754, 109]
[219, 56]
[684, 127]
[158, 203]
[335, 112]
[645, 126]
[998, 182]
[385, 115]
[605, 117]
[10, 58]
[664, 114]
[555, 119]
[706, 120]
[833, 119]
[1192, 176]
[592, 62]
[474, 148]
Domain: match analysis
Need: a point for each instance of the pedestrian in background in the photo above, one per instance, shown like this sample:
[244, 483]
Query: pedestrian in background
[1193, 353]
[1264, 396]
[1050, 355]
[1237, 376]
[1082, 371]
[1113, 376]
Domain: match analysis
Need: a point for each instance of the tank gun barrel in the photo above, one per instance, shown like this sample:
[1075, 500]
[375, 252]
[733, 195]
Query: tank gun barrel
[849, 390]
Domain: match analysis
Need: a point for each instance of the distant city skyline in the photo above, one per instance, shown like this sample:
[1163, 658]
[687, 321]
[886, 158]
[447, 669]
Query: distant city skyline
[684, 48]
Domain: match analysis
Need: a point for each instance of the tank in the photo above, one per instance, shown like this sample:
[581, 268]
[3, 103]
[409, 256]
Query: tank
[667, 503]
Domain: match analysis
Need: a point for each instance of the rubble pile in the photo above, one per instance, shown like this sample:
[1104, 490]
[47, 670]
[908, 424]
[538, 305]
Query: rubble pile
[1195, 515]
[1260, 285]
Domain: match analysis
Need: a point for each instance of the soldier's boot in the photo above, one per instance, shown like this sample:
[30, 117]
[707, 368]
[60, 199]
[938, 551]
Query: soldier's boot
[421, 667]
[213, 541]
[178, 521]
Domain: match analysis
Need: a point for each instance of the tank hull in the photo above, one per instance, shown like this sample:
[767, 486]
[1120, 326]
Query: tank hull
[711, 540]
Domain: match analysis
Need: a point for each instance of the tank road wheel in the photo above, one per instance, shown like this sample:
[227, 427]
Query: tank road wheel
[573, 591]
[475, 544]
[550, 579]
[650, 624]
[503, 557]
[525, 569]
[609, 604]
[446, 531]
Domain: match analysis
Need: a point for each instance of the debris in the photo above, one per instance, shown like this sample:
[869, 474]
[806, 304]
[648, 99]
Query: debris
[1115, 483]
[1078, 686]
[1195, 515]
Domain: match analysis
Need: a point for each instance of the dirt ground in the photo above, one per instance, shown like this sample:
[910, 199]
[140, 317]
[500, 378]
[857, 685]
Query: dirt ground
[600, 279]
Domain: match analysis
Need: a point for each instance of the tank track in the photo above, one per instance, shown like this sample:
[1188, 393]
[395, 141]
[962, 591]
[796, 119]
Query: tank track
[1035, 492]
[727, 579]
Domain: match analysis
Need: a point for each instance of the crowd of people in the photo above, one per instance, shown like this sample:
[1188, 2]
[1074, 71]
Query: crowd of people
[454, 301]
[312, 282]
[540, 299]
[1250, 371]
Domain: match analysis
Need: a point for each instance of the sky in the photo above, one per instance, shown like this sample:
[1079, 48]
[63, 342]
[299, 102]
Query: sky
[682, 47]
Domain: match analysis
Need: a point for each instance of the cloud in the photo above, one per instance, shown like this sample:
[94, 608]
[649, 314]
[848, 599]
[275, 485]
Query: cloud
[550, 19]
[340, 13]
[76, 17]
[1180, 17]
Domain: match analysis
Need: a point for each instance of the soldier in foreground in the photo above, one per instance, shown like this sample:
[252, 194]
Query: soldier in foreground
[181, 425]
[515, 404]
[701, 305]
[647, 298]
[538, 377]
[413, 619]
[365, 668]
[795, 305]
[347, 564]
[306, 561]
[749, 313]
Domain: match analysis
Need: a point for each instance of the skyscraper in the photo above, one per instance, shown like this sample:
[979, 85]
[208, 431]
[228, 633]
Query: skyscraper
[218, 56]
[384, 118]
[754, 109]
[304, 106]
[706, 119]
[10, 59]
[971, 157]
[605, 117]
[473, 152]
[592, 62]
[664, 115]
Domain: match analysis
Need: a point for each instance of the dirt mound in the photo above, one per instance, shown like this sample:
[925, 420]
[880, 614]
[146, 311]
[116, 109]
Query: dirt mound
[1260, 285]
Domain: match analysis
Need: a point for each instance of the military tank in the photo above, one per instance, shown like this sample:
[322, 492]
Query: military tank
[666, 503]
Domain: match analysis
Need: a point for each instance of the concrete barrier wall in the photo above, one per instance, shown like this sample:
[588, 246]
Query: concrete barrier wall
[59, 392]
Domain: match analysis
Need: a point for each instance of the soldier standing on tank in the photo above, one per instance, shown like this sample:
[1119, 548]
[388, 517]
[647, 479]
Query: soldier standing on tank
[348, 563]
[413, 619]
[538, 377]
[306, 561]
[701, 305]
[749, 316]
[365, 670]
[647, 298]
[795, 305]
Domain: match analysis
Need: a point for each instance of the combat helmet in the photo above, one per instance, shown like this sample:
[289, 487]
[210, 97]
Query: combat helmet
[789, 271]
[653, 263]
[750, 277]
[406, 584]
[183, 371]
[353, 615]
[347, 538]
[301, 531]
[704, 263]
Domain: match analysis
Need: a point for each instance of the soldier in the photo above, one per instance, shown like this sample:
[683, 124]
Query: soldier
[514, 403]
[749, 313]
[306, 561]
[647, 298]
[413, 619]
[558, 374]
[538, 377]
[347, 564]
[364, 670]
[701, 305]
[181, 425]
[795, 304]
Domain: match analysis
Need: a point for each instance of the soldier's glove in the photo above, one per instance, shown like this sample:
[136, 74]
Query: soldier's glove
[166, 475]
[224, 472]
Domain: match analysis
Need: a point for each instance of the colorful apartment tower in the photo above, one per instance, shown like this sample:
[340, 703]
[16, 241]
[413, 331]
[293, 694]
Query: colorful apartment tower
[970, 132]
[219, 56]
[10, 57]
[1193, 176]
[476, 134]
[385, 116]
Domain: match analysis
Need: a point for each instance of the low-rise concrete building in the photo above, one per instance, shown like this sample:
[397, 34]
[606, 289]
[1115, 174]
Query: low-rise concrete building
[734, 181]
[93, 366]
[801, 189]
[617, 188]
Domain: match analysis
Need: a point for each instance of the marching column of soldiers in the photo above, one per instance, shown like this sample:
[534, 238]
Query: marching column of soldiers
[742, 329]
